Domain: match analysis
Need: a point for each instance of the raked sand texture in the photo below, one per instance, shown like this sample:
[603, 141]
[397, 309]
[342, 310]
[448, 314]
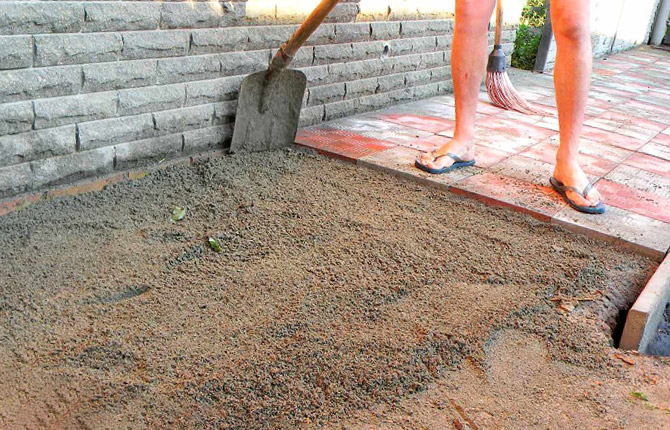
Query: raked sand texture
[90, 87]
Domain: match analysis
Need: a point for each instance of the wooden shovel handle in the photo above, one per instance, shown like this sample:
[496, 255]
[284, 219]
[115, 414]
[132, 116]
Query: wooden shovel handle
[285, 54]
[499, 21]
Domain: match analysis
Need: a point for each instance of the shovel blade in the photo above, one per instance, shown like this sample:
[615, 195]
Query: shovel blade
[268, 110]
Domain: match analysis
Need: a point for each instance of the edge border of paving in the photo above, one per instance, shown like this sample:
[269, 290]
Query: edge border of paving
[645, 316]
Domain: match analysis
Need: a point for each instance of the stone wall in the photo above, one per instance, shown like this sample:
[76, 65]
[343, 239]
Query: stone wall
[87, 88]
[616, 25]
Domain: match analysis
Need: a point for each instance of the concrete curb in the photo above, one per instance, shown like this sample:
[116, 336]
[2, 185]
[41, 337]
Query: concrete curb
[647, 311]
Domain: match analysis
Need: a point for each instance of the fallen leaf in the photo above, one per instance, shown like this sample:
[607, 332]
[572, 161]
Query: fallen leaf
[625, 359]
[178, 214]
[640, 395]
[214, 245]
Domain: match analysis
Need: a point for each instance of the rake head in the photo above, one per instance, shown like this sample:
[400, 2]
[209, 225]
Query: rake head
[500, 89]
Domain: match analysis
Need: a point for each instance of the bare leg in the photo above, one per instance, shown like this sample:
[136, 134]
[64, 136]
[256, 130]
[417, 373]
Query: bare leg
[468, 64]
[571, 79]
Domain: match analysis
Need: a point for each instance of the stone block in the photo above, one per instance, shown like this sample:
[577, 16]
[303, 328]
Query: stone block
[16, 118]
[150, 99]
[121, 16]
[70, 167]
[326, 94]
[421, 28]
[212, 91]
[385, 30]
[25, 84]
[224, 112]
[61, 49]
[244, 62]
[37, 144]
[142, 152]
[391, 82]
[16, 52]
[311, 115]
[173, 70]
[123, 74]
[41, 17]
[352, 32]
[361, 88]
[54, 112]
[179, 120]
[112, 131]
[204, 139]
[15, 179]
[190, 15]
[155, 44]
[215, 40]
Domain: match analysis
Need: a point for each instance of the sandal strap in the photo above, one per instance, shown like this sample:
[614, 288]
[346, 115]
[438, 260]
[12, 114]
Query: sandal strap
[451, 155]
[585, 192]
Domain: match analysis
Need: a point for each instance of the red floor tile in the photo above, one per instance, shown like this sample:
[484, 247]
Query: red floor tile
[611, 138]
[536, 200]
[425, 123]
[662, 139]
[486, 157]
[426, 144]
[546, 152]
[340, 143]
[516, 128]
[640, 202]
[658, 150]
[649, 163]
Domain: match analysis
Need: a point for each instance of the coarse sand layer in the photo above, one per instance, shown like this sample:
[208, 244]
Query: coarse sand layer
[341, 298]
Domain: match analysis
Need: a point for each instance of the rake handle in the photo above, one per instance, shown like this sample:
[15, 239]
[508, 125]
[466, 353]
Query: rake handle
[285, 54]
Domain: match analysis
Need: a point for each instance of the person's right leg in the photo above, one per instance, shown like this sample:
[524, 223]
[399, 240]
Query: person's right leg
[468, 65]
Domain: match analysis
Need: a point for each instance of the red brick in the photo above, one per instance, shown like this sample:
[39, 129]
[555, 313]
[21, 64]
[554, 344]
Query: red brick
[649, 163]
[610, 138]
[425, 123]
[640, 202]
[340, 143]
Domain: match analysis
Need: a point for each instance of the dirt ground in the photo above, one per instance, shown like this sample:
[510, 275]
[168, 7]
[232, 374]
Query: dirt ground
[343, 298]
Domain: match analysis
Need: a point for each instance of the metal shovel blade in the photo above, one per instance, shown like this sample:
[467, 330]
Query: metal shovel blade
[268, 110]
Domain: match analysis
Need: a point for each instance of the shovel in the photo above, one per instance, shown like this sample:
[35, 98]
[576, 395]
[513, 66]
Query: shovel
[268, 107]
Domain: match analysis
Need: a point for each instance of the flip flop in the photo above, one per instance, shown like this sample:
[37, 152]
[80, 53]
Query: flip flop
[458, 163]
[563, 191]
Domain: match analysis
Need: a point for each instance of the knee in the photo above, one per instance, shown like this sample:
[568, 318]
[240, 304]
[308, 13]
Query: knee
[571, 27]
[472, 16]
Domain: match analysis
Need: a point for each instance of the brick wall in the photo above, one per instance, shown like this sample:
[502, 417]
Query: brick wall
[87, 87]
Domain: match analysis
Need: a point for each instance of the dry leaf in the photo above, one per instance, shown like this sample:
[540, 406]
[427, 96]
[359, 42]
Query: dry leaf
[625, 359]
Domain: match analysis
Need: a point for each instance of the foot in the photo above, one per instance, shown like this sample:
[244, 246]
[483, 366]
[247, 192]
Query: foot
[572, 174]
[434, 159]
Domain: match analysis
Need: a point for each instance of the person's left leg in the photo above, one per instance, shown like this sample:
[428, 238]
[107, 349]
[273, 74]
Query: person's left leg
[570, 19]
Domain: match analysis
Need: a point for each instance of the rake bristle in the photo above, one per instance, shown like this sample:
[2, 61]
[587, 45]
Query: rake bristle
[502, 93]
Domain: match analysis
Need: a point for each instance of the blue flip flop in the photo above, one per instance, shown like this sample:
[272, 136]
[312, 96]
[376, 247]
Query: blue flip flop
[458, 163]
[563, 189]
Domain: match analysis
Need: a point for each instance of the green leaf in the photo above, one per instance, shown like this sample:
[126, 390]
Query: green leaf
[640, 395]
[178, 214]
[214, 245]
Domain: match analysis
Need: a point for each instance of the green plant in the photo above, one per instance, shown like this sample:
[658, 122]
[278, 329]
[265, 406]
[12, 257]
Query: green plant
[525, 47]
[529, 34]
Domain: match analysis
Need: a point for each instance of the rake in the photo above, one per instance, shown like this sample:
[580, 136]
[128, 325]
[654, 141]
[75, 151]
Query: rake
[499, 87]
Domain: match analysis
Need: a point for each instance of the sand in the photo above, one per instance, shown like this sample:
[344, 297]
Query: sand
[342, 298]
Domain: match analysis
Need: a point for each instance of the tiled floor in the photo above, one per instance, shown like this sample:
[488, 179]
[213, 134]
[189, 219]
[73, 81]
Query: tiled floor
[625, 149]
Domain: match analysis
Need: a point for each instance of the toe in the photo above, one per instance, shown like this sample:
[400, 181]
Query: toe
[593, 197]
[578, 199]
